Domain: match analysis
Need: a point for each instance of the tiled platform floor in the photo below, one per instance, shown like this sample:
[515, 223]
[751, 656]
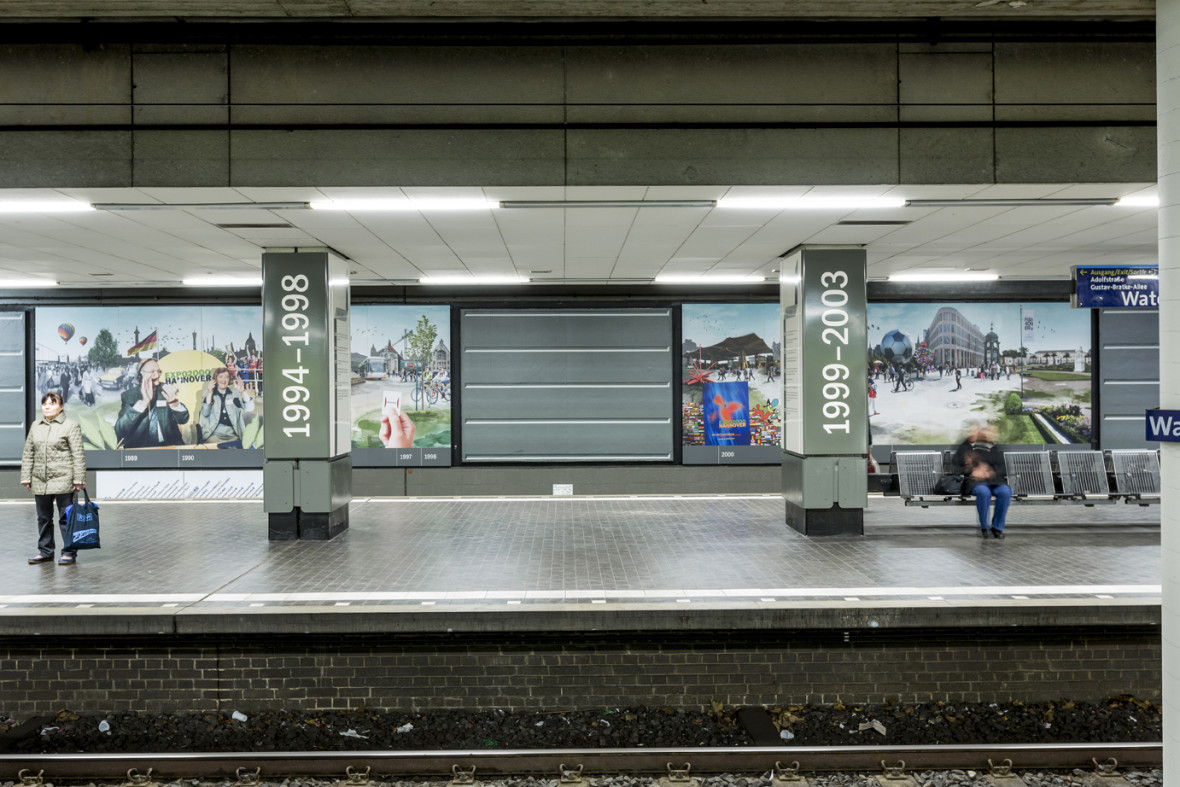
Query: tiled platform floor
[520, 554]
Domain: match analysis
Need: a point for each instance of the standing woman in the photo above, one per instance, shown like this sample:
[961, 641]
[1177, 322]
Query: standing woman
[53, 466]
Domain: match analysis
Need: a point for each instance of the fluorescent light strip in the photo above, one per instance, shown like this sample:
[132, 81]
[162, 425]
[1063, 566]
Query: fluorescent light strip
[119, 206]
[1010, 203]
[473, 280]
[675, 278]
[943, 277]
[21, 283]
[221, 281]
[33, 206]
[810, 203]
[403, 205]
[1146, 201]
[610, 203]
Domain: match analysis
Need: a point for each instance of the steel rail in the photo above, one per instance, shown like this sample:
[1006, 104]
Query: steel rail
[525, 762]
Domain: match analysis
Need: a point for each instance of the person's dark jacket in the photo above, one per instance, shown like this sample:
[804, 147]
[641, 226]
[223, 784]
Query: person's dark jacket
[969, 455]
[133, 428]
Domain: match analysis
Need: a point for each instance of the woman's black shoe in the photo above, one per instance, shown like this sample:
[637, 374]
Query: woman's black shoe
[983, 531]
[997, 533]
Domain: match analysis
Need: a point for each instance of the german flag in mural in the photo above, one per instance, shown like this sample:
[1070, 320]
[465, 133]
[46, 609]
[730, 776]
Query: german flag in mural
[148, 343]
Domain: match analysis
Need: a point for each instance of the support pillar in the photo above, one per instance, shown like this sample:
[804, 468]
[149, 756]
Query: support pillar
[825, 390]
[1168, 142]
[307, 475]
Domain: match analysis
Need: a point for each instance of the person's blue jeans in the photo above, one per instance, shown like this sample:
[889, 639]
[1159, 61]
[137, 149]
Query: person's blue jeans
[983, 498]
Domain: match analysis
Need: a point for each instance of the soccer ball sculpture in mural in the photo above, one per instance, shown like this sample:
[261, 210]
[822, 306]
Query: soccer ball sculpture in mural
[896, 347]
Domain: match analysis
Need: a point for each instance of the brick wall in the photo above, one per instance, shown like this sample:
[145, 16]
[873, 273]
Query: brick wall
[416, 674]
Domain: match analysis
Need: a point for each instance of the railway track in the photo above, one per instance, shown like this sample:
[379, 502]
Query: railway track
[249, 767]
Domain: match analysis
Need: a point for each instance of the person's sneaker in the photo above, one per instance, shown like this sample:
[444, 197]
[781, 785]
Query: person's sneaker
[997, 533]
[40, 559]
[983, 532]
[66, 560]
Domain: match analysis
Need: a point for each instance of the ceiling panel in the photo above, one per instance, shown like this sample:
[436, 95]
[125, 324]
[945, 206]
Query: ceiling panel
[150, 246]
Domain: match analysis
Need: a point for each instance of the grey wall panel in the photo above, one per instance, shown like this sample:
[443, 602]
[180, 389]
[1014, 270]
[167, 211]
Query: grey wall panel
[568, 385]
[1118, 432]
[601, 328]
[587, 400]
[1118, 397]
[1129, 327]
[567, 440]
[1125, 362]
[12, 443]
[12, 332]
[1128, 368]
[12, 376]
[579, 365]
[12, 381]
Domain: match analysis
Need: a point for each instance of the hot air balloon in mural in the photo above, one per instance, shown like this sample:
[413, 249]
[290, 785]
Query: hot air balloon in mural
[82, 341]
[65, 331]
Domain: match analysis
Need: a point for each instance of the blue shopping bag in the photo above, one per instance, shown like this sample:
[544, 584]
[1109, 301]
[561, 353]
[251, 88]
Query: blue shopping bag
[82, 524]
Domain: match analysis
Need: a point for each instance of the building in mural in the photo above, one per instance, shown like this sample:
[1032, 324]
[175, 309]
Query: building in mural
[954, 340]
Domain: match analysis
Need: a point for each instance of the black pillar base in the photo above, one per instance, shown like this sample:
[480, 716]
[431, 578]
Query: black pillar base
[298, 525]
[283, 527]
[323, 527]
[834, 521]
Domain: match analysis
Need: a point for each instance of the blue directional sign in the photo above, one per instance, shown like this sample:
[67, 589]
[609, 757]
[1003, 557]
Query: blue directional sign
[1163, 426]
[1116, 286]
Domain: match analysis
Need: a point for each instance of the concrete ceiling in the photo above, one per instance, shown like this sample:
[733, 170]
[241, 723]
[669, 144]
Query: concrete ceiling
[622, 245]
[578, 9]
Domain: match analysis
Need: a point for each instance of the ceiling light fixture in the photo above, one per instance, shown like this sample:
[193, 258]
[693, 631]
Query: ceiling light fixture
[810, 203]
[1010, 203]
[404, 205]
[45, 206]
[943, 277]
[222, 281]
[682, 278]
[609, 203]
[1144, 201]
[473, 280]
[23, 283]
[117, 206]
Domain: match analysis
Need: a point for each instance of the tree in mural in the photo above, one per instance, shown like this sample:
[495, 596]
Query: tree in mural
[420, 343]
[105, 353]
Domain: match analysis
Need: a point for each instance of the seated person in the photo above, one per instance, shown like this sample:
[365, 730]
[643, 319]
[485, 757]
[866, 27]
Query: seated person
[982, 462]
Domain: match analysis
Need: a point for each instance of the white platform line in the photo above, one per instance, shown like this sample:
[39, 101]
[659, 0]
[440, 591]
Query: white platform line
[1019, 592]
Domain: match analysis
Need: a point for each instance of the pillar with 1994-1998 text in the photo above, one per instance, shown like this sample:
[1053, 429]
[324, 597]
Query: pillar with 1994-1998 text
[825, 393]
[307, 475]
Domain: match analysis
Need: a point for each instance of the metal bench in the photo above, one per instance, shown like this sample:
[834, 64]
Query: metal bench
[1040, 477]
[917, 473]
[1136, 475]
[1083, 476]
[1030, 475]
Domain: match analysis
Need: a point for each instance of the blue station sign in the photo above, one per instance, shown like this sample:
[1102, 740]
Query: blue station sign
[1163, 426]
[1116, 286]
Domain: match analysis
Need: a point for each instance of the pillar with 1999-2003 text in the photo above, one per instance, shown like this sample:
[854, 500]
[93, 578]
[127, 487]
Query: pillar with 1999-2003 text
[825, 392]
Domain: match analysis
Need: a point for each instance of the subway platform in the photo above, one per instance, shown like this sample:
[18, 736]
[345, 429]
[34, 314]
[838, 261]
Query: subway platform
[579, 564]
